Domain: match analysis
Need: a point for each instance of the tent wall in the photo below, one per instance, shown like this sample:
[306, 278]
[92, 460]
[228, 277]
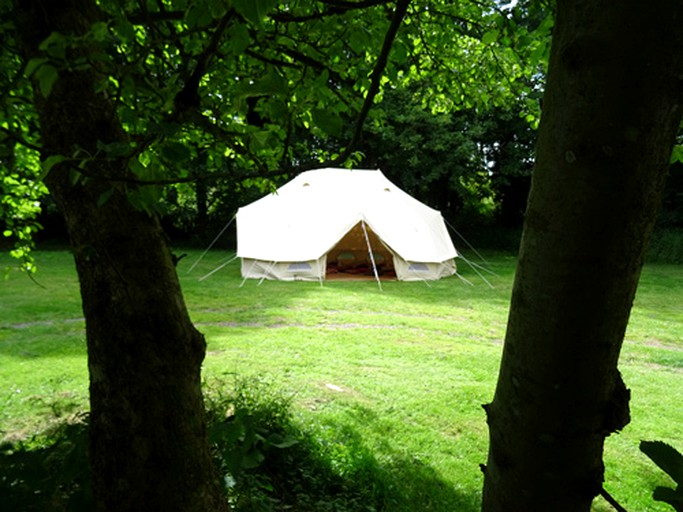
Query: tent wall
[421, 271]
[312, 270]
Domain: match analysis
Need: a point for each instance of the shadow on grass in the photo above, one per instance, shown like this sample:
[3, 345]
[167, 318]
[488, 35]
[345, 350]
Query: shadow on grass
[54, 478]
[394, 483]
[48, 473]
[317, 467]
[268, 464]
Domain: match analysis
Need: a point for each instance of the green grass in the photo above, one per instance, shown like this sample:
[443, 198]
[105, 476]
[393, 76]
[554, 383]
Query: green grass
[385, 383]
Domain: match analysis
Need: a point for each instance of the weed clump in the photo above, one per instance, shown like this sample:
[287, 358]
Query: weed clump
[267, 462]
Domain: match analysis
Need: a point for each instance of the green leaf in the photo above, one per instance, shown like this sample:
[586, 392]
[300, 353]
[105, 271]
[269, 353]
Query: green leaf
[125, 30]
[254, 10]
[360, 41]
[677, 154]
[100, 31]
[329, 123]
[252, 459]
[47, 76]
[400, 52]
[114, 149]
[261, 139]
[282, 442]
[55, 45]
[539, 54]
[104, 197]
[176, 152]
[239, 39]
[50, 162]
[217, 8]
[490, 37]
[272, 83]
[146, 198]
[34, 64]
[198, 16]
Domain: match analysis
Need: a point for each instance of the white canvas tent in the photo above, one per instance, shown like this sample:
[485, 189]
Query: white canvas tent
[332, 221]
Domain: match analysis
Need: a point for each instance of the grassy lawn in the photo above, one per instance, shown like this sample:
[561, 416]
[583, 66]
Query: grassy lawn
[392, 379]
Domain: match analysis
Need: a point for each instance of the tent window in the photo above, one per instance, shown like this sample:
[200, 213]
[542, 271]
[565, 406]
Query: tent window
[298, 265]
[418, 267]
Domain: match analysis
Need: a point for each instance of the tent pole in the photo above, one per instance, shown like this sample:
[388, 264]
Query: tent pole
[247, 277]
[268, 269]
[372, 257]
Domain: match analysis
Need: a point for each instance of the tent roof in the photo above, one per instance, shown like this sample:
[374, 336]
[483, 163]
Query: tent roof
[307, 216]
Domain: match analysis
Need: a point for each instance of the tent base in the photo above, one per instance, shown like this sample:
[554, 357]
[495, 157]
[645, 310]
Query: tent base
[319, 270]
[343, 276]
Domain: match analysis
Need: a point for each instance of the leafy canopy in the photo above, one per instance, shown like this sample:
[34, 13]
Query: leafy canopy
[254, 88]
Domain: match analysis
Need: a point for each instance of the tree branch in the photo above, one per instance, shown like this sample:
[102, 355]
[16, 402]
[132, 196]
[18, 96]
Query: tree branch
[609, 499]
[188, 97]
[375, 80]
[186, 106]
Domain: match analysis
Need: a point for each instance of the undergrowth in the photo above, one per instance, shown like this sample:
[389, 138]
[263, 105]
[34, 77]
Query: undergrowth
[49, 471]
[268, 463]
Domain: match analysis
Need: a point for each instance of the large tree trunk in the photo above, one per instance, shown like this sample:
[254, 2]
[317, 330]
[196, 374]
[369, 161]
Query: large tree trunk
[149, 449]
[610, 113]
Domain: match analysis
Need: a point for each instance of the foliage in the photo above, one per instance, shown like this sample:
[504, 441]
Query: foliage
[49, 472]
[269, 462]
[19, 208]
[20, 173]
[461, 162]
[246, 426]
[670, 461]
[233, 95]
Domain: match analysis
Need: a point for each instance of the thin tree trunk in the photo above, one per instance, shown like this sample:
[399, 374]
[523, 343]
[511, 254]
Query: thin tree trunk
[610, 114]
[149, 450]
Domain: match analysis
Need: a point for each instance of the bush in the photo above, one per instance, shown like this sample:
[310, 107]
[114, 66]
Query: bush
[271, 464]
[268, 463]
[49, 472]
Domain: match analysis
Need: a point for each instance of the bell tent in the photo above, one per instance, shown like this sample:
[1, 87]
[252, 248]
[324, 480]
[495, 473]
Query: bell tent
[342, 222]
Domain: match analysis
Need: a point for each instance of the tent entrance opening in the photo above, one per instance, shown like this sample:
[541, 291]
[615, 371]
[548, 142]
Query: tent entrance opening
[351, 257]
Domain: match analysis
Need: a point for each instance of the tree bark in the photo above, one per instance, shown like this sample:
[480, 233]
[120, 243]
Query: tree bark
[149, 448]
[610, 113]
